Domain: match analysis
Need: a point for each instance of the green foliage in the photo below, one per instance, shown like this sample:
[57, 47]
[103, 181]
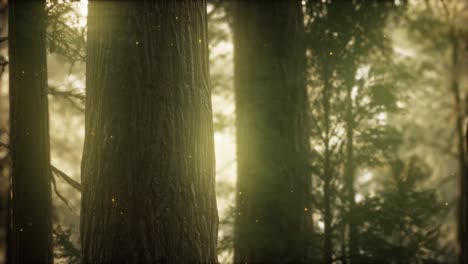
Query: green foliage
[356, 81]
[400, 223]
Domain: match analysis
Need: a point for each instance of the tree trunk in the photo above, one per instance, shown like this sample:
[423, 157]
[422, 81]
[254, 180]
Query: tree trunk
[327, 211]
[30, 238]
[327, 169]
[463, 205]
[148, 171]
[353, 248]
[273, 212]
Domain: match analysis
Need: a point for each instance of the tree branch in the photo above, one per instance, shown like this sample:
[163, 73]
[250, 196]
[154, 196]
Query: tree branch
[67, 178]
[59, 195]
[69, 96]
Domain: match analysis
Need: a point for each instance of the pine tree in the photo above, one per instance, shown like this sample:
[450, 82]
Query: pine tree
[351, 33]
[148, 166]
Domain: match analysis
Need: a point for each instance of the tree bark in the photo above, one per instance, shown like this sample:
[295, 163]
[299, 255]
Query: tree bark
[463, 168]
[273, 212]
[30, 237]
[148, 170]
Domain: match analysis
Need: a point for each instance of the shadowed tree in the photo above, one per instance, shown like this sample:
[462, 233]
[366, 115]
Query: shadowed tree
[346, 106]
[30, 234]
[148, 186]
[273, 212]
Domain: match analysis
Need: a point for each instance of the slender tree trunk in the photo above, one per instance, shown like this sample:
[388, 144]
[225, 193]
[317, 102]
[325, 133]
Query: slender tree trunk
[463, 204]
[327, 213]
[148, 171]
[273, 214]
[349, 178]
[344, 245]
[327, 171]
[31, 231]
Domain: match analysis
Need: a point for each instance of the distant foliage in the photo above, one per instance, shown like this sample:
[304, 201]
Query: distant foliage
[401, 222]
[64, 34]
[65, 251]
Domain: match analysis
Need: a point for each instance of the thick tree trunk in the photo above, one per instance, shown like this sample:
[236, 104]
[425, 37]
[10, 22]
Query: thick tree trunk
[30, 238]
[273, 213]
[148, 171]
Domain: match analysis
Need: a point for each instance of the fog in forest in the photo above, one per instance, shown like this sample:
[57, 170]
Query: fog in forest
[233, 131]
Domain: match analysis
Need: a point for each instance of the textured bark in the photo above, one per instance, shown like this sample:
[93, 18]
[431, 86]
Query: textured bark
[273, 213]
[30, 239]
[148, 174]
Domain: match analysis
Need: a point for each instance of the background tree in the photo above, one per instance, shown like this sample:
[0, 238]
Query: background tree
[437, 58]
[351, 95]
[30, 238]
[148, 164]
[273, 212]
[400, 223]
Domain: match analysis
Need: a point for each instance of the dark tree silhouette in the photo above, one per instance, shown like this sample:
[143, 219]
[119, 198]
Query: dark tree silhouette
[30, 234]
[273, 212]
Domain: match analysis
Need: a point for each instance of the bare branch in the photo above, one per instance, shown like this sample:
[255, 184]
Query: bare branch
[54, 91]
[52, 178]
[67, 178]
[70, 96]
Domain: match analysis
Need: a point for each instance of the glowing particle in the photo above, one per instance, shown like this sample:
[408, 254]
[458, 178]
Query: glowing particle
[305, 209]
[256, 220]
[199, 41]
[137, 43]
[331, 53]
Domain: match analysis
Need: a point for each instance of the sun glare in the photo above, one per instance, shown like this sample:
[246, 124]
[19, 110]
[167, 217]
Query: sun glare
[82, 7]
